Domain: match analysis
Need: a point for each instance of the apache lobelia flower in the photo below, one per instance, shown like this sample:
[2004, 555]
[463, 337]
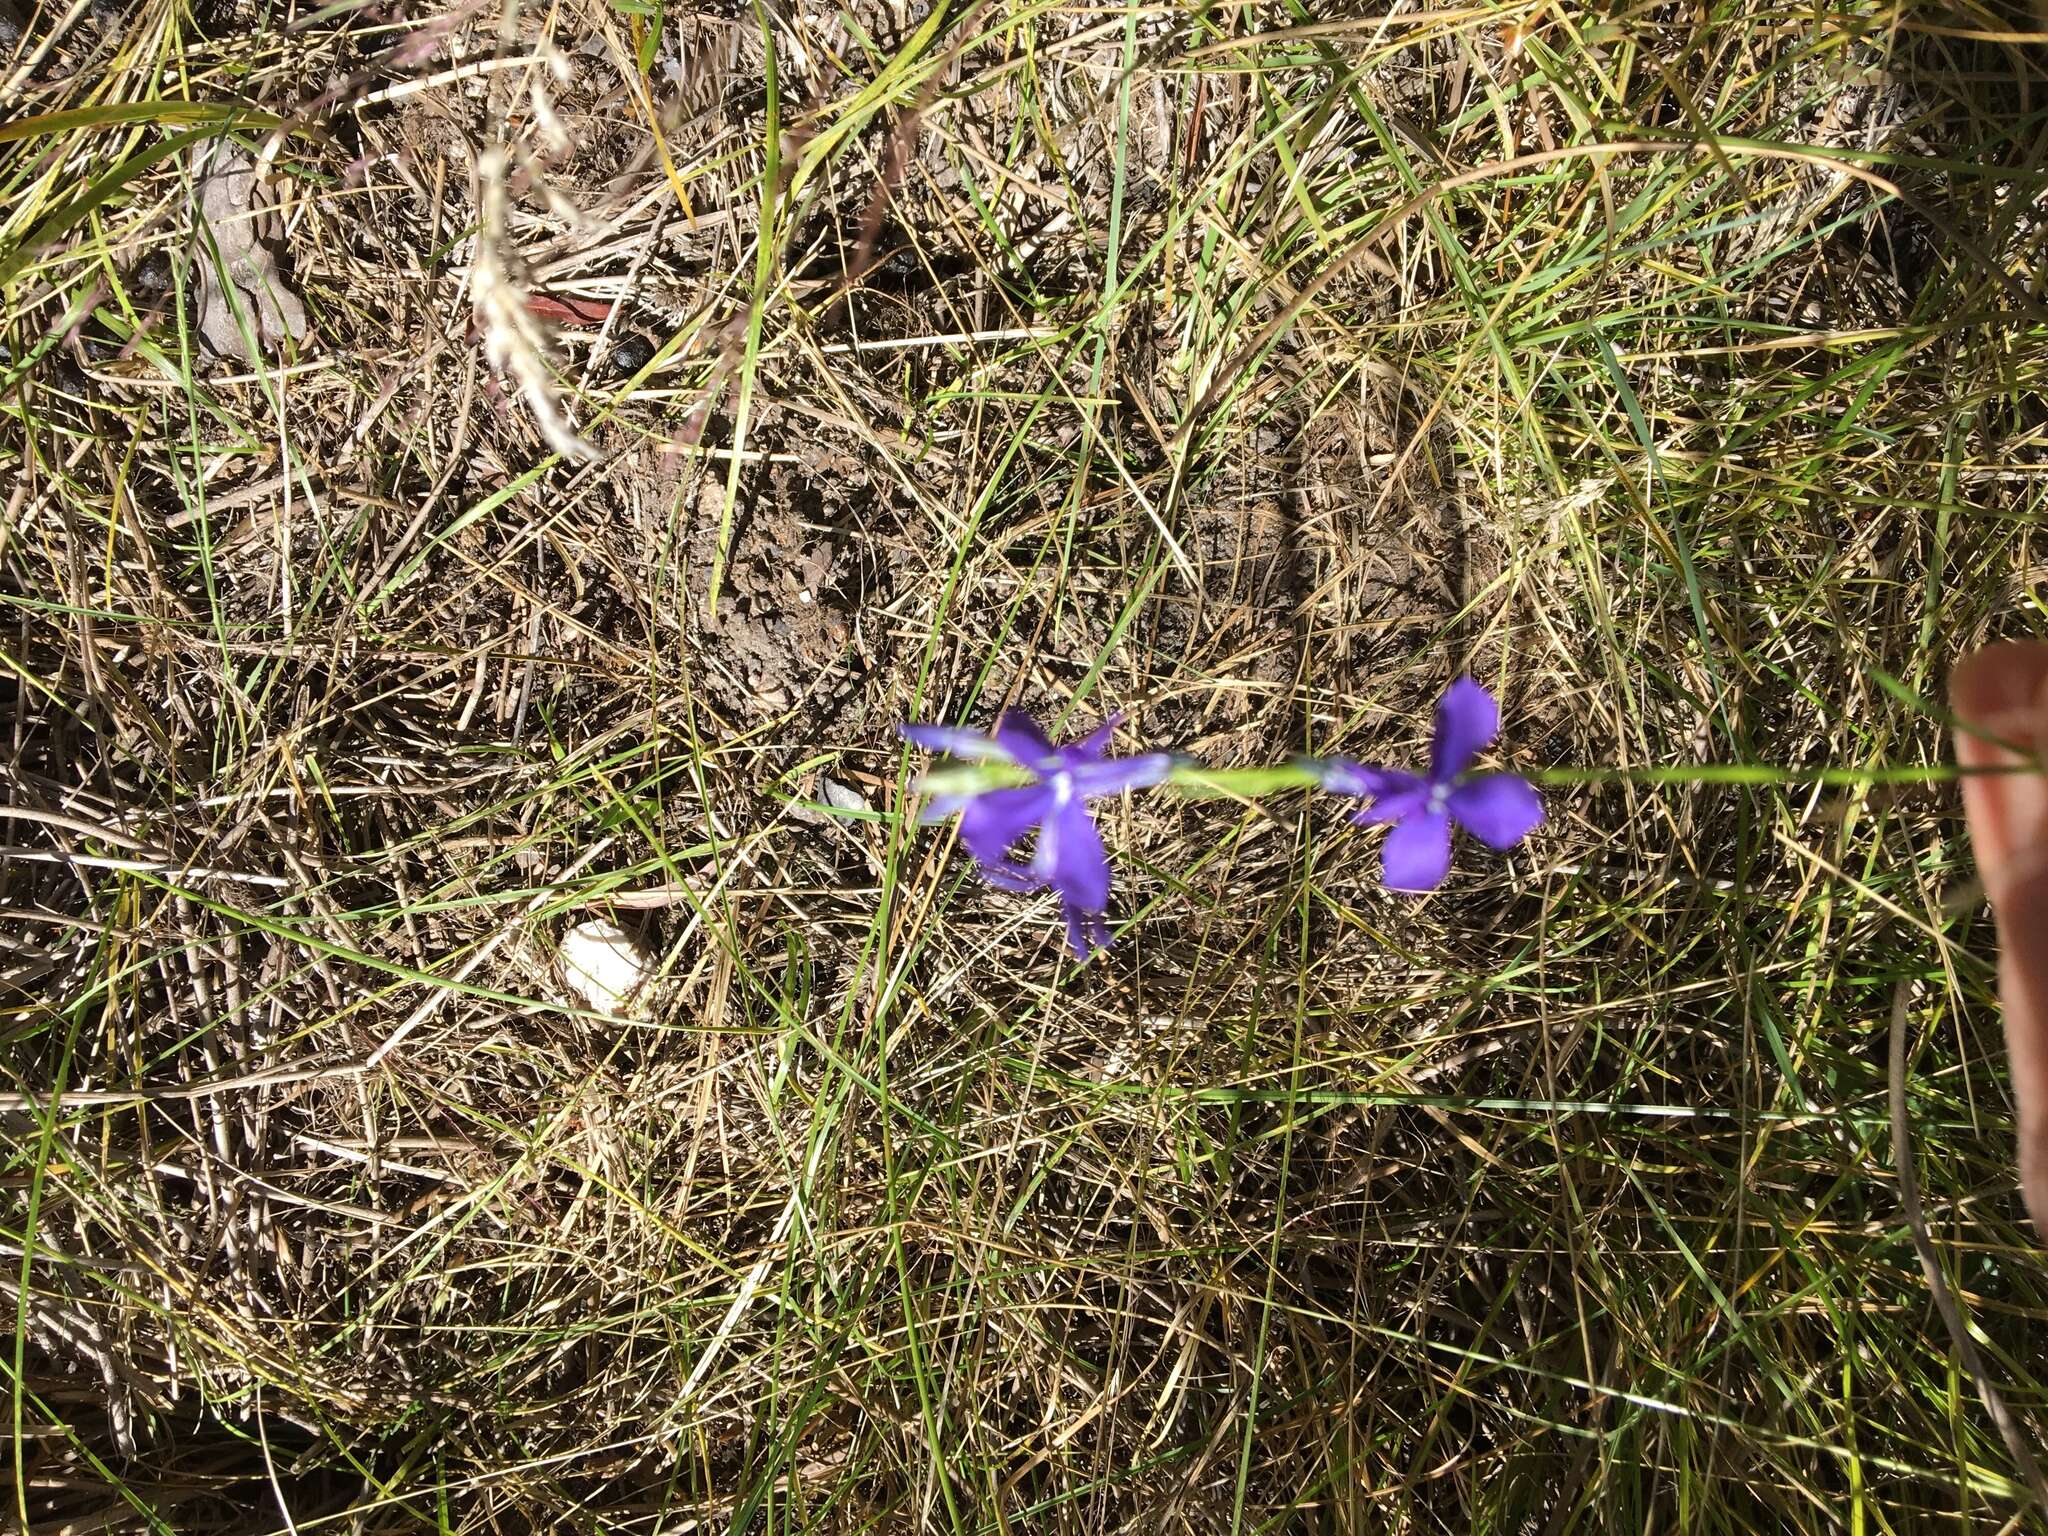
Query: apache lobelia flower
[1069, 855]
[1500, 809]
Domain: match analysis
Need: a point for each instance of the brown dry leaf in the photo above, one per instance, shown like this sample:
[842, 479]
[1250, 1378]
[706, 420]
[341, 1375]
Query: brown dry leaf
[225, 181]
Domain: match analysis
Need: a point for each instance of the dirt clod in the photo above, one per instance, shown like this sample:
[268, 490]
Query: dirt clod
[789, 594]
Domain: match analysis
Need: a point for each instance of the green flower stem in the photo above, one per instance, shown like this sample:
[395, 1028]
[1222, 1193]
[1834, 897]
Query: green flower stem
[1256, 783]
[1243, 783]
[1767, 773]
[1250, 783]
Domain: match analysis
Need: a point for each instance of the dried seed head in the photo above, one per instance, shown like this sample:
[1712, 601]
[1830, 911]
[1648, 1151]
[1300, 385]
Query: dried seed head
[515, 341]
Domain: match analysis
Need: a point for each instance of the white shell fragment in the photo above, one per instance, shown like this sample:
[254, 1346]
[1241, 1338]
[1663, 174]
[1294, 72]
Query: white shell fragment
[605, 967]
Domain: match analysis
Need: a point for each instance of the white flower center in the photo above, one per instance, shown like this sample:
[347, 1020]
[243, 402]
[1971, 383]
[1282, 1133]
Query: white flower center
[1439, 797]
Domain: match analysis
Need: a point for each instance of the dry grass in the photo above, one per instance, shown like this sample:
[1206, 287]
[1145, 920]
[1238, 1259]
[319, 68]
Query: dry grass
[1252, 368]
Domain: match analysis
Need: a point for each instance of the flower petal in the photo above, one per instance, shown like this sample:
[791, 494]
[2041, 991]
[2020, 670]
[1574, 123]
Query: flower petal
[992, 824]
[1007, 876]
[1094, 744]
[1112, 776]
[1020, 739]
[1467, 720]
[1070, 856]
[1418, 852]
[939, 807]
[1348, 777]
[1500, 809]
[957, 740]
[1401, 795]
[1086, 931]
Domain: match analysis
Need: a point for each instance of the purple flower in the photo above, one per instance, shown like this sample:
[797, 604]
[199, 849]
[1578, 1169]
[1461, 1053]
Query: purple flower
[1500, 809]
[1069, 855]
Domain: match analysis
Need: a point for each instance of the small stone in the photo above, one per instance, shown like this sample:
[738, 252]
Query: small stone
[605, 967]
[841, 797]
